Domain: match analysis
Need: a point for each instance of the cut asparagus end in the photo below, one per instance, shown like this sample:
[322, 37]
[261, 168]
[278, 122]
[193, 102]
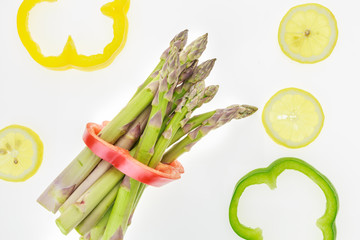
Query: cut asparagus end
[54, 196]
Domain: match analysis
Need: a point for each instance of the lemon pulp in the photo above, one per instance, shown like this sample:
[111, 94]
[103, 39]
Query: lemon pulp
[308, 33]
[21, 152]
[293, 118]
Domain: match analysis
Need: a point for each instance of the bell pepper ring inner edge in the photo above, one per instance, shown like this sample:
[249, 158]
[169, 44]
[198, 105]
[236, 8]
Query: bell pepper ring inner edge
[69, 58]
[268, 176]
[124, 162]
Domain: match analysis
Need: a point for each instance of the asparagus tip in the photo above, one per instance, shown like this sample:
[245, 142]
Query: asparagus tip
[188, 70]
[210, 93]
[245, 111]
[202, 71]
[194, 50]
[178, 41]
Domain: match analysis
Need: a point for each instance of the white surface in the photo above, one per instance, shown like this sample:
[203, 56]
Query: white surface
[250, 69]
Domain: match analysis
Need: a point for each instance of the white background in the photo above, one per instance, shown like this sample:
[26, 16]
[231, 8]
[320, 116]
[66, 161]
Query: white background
[250, 69]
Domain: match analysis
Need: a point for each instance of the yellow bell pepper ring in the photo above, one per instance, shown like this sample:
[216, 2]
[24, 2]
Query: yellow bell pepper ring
[69, 58]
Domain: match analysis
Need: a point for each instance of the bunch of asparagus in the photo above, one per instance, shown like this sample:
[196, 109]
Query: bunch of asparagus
[156, 126]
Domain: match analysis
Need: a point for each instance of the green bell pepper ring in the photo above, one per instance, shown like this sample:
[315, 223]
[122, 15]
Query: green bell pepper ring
[268, 175]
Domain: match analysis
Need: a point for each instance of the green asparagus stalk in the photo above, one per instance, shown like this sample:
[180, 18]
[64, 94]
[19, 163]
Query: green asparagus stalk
[72, 176]
[219, 118]
[97, 232]
[127, 141]
[193, 99]
[189, 105]
[127, 192]
[65, 184]
[179, 41]
[168, 81]
[101, 206]
[127, 196]
[189, 60]
[193, 123]
[200, 73]
[78, 211]
[73, 215]
[122, 209]
[187, 57]
[197, 120]
[80, 216]
[104, 166]
[93, 218]
[182, 114]
[202, 124]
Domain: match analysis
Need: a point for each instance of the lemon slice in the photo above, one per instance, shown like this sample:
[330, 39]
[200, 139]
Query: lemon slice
[308, 33]
[293, 118]
[21, 152]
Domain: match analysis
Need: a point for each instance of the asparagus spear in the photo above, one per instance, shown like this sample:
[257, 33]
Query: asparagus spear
[97, 232]
[78, 216]
[191, 53]
[168, 76]
[168, 81]
[196, 121]
[200, 73]
[126, 142]
[198, 46]
[188, 71]
[116, 226]
[74, 214]
[202, 124]
[182, 114]
[77, 212]
[178, 41]
[127, 195]
[93, 218]
[219, 118]
[150, 150]
[192, 123]
[194, 49]
[64, 185]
